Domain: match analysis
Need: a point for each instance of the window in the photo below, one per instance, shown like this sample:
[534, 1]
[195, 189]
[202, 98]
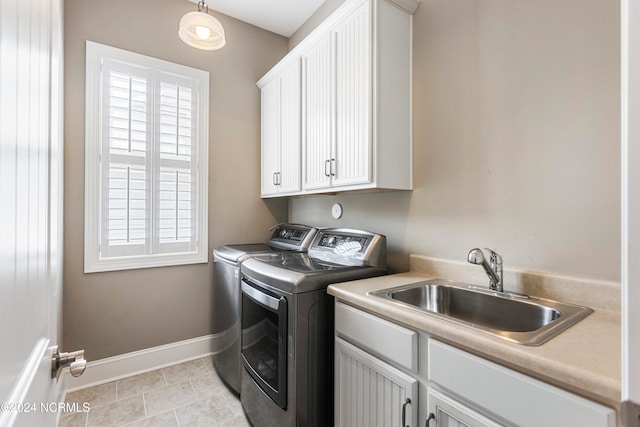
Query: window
[146, 161]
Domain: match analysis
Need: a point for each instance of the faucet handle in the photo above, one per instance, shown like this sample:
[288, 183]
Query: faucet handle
[496, 266]
[494, 256]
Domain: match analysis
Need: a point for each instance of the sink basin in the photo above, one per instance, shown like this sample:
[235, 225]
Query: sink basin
[514, 317]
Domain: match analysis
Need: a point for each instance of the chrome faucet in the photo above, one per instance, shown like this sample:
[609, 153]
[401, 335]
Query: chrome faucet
[493, 270]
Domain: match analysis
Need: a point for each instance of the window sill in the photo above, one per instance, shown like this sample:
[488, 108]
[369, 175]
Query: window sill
[146, 261]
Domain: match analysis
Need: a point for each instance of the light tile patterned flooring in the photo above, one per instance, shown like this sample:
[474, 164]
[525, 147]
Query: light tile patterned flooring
[184, 395]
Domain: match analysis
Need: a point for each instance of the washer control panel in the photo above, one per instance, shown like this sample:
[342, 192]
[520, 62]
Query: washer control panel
[349, 247]
[292, 236]
[343, 241]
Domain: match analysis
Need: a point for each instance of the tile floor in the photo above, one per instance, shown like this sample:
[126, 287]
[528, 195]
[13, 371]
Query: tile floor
[184, 395]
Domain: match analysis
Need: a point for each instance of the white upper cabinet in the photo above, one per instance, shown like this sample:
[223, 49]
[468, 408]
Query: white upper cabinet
[337, 141]
[270, 111]
[281, 133]
[289, 179]
[317, 64]
[355, 101]
[353, 144]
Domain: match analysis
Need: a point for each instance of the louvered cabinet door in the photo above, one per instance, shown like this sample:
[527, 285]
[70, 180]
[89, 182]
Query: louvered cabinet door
[370, 392]
[353, 142]
[318, 110]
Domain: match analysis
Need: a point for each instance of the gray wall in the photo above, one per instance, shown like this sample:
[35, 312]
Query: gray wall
[516, 133]
[516, 138]
[118, 312]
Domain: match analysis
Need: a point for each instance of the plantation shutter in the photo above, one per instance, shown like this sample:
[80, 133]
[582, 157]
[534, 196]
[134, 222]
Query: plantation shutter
[149, 172]
[126, 160]
[175, 198]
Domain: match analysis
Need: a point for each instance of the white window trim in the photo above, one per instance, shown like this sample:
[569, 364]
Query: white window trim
[93, 262]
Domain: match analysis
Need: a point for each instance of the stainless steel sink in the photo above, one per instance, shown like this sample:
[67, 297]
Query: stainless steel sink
[514, 317]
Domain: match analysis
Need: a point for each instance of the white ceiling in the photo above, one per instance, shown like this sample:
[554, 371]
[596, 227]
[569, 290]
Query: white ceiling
[282, 17]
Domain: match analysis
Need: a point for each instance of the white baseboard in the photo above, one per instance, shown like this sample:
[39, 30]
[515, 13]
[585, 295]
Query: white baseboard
[125, 365]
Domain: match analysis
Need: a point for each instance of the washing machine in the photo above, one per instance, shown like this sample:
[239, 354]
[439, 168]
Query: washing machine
[285, 238]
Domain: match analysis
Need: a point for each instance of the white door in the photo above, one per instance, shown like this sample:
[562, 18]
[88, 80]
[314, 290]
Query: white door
[270, 139]
[290, 130]
[318, 110]
[444, 411]
[630, 32]
[352, 151]
[370, 392]
[30, 208]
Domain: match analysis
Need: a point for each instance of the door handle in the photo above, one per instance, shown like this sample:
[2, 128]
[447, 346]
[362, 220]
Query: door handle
[260, 297]
[327, 163]
[332, 169]
[74, 360]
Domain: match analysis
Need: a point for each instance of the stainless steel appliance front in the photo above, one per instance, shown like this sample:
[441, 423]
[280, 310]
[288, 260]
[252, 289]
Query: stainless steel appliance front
[227, 297]
[264, 339]
[304, 396]
[304, 381]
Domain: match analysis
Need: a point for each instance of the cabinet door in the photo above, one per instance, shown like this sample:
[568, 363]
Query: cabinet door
[289, 178]
[447, 412]
[353, 142]
[270, 138]
[318, 110]
[522, 400]
[370, 393]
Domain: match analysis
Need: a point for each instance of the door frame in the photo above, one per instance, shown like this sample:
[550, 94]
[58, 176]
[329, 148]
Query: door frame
[630, 167]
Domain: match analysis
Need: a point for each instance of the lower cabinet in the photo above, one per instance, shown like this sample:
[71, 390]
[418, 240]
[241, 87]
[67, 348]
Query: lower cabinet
[444, 411]
[381, 368]
[370, 392]
[513, 397]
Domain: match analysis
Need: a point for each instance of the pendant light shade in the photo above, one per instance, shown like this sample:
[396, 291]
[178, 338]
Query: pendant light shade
[201, 30]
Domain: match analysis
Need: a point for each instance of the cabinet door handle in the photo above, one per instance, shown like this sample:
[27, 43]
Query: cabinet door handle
[404, 412]
[327, 163]
[275, 178]
[333, 167]
[429, 418]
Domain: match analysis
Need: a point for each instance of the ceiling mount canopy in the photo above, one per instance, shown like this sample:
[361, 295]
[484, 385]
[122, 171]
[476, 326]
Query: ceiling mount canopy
[201, 30]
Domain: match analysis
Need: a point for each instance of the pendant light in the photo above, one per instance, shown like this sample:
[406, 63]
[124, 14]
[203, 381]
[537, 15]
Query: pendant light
[201, 30]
